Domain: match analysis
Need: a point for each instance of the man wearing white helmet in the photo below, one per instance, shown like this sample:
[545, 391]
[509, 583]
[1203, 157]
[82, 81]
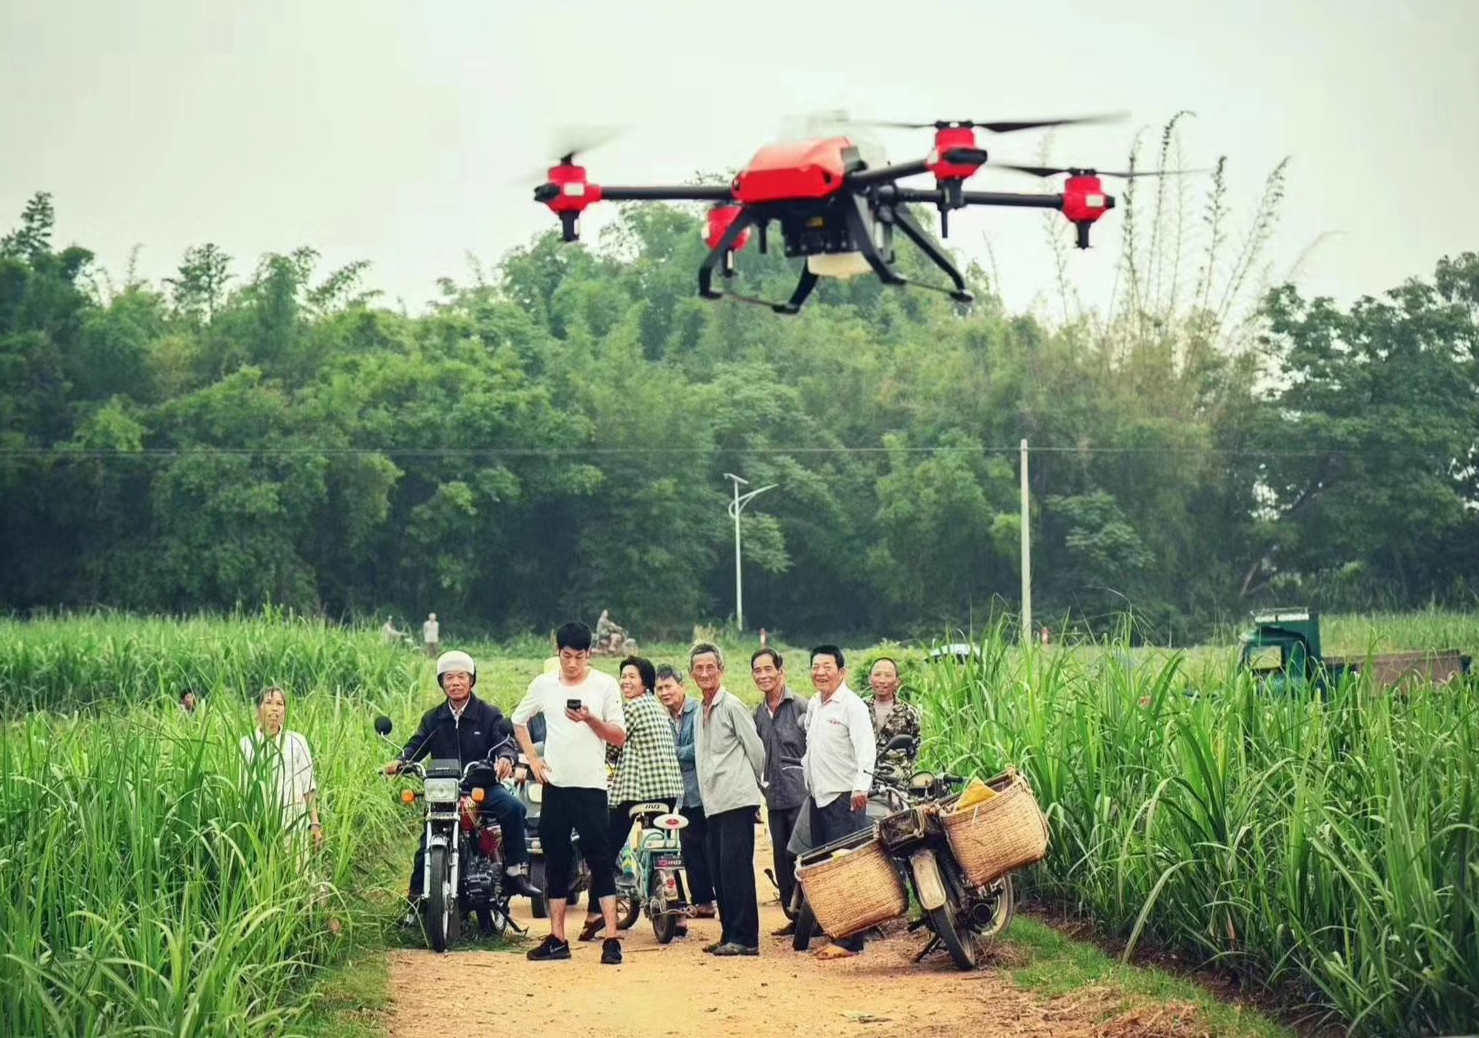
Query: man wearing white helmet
[464, 727]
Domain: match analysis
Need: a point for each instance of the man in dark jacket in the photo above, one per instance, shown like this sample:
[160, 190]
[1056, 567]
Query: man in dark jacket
[466, 729]
[780, 719]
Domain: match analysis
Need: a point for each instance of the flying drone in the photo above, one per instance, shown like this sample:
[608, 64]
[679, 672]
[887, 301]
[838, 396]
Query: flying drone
[835, 211]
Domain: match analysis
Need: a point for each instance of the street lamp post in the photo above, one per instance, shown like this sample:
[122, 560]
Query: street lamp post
[737, 506]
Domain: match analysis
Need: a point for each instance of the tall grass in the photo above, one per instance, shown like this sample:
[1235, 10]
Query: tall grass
[105, 660]
[148, 886]
[1329, 841]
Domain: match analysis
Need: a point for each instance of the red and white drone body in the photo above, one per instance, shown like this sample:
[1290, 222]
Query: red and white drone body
[836, 212]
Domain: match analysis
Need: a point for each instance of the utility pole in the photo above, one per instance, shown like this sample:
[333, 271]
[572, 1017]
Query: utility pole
[1026, 554]
[737, 506]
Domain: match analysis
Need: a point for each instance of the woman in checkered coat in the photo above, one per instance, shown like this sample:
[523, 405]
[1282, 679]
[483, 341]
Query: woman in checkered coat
[647, 771]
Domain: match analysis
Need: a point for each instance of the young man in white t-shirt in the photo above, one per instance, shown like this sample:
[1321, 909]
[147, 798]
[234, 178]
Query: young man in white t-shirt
[582, 714]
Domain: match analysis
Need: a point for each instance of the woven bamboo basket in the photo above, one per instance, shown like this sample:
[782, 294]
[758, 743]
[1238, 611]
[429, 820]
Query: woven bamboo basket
[1004, 833]
[854, 890]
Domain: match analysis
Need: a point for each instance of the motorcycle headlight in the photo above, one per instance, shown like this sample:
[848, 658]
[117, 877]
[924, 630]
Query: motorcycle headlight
[441, 790]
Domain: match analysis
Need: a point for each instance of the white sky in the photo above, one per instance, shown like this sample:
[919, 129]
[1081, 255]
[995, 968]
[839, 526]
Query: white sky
[392, 131]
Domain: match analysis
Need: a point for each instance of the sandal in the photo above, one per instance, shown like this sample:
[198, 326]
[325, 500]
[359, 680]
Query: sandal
[591, 928]
[833, 951]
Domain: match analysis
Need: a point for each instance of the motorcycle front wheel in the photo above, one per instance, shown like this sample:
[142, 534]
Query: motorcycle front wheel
[442, 918]
[956, 939]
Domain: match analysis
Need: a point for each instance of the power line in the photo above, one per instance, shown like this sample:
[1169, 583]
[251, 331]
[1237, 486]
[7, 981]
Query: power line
[63, 453]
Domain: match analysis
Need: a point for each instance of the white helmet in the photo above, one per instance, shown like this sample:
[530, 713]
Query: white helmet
[455, 660]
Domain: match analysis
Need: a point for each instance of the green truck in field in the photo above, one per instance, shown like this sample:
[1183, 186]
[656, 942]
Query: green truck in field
[1283, 652]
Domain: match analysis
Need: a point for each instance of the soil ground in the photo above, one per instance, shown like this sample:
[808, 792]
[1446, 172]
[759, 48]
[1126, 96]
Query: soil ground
[678, 990]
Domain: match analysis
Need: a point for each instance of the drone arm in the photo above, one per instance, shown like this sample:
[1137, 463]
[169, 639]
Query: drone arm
[677, 193]
[968, 157]
[887, 174]
[1008, 198]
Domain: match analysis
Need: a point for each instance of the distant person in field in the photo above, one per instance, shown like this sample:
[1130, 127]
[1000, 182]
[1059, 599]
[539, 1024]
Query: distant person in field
[683, 713]
[780, 719]
[731, 767]
[838, 764]
[583, 715]
[286, 763]
[189, 701]
[431, 635]
[390, 634]
[892, 716]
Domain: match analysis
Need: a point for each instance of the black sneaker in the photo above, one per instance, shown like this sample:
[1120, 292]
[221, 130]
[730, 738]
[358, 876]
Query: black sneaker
[548, 949]
[736, 949]
[712, 948]
[610, 952]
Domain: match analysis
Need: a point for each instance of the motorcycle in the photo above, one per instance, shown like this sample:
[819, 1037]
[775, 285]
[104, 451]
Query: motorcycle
[531, 794]
[462, 869]
[960, 916]
[653, 878]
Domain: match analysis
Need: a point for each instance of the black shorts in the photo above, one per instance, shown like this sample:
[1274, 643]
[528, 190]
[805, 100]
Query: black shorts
[584, 811]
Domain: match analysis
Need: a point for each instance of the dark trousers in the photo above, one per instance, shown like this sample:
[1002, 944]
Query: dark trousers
[619, 826]
[833, 822]
[782, 821]
[583, 810]
[509, 813]
[731, 847]
[694, 839]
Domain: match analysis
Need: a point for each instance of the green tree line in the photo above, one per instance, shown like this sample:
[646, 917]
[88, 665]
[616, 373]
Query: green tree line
[549, 439]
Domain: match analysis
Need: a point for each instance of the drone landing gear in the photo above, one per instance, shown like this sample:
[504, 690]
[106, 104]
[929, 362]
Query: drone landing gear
[723, 251]
[892, 216]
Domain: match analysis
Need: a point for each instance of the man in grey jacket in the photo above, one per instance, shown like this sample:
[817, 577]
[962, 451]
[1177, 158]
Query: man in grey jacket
[731, 763]
[781, 722]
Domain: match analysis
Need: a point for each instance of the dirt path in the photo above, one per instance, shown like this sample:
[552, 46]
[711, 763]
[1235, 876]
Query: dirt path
[678, 990]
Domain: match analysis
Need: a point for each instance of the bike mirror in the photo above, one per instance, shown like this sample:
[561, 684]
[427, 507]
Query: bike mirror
[383, 725]
[900, 742]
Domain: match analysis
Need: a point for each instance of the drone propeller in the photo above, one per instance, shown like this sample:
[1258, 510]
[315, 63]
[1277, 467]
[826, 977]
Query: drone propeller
[1050, 171]
[568, 144]
[1008, 126]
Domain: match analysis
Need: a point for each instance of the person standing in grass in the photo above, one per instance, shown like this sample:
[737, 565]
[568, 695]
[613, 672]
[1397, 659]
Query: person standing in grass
[288, 763]
[694, 836]
[647, 771]
[731, 763]
[892, 717]
[780, 719]
[431, 635]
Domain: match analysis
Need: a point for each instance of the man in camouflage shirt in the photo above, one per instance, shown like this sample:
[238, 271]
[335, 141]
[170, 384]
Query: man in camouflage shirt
[892, 716]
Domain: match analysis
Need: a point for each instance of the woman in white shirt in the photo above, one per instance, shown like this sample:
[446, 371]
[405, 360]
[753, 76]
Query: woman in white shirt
[286, 753]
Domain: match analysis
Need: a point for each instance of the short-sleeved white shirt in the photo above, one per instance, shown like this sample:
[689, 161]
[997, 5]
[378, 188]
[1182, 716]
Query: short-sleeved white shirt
[289, 758]
[576, 755]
